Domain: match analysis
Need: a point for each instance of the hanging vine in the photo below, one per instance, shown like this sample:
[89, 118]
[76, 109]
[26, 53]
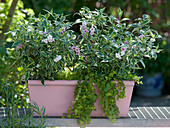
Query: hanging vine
[85, 97]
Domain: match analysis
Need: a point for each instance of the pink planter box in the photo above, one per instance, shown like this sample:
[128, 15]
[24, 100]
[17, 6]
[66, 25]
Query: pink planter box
[58, 95]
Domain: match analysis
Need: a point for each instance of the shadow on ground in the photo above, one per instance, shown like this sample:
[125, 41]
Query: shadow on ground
[141, 101]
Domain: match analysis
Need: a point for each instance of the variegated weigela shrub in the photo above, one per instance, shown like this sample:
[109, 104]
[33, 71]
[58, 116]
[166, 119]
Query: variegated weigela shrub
[43, 46]
[107, 49]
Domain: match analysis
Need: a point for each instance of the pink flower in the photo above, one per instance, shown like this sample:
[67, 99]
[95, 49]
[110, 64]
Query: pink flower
[63, 29]
[134, 46]
[45, 41]
[83, 26]
[49, 37]
[57, 58]
[123, 49]
[85, 31]
[92, 29]
[126, 42]
[141, 36]
[62, 32]
[51, 40]
[84, 23]
[73, 48]
[77, 53]
[19, 46]
[118, 55]
[139, 23]
[77, 49]
[45, 33]
[91, 33]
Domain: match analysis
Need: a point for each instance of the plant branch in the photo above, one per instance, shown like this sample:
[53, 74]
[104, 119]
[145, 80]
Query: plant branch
[9, 19]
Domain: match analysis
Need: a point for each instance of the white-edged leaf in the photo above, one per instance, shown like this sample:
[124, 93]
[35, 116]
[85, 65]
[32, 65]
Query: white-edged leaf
[142, 63]
[125, 19]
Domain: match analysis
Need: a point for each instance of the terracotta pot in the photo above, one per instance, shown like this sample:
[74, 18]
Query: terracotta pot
[58, 95]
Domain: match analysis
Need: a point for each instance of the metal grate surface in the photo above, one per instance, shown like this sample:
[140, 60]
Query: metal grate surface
[134, 112]
[149, 113]
[20, 112]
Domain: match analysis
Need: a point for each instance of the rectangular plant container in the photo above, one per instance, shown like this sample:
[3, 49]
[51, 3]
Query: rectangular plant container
[58, 95]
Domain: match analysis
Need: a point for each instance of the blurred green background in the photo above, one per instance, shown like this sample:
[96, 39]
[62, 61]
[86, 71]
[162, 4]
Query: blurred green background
[159, 10]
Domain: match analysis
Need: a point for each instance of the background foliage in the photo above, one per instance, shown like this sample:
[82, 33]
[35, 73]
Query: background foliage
[10, 74]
